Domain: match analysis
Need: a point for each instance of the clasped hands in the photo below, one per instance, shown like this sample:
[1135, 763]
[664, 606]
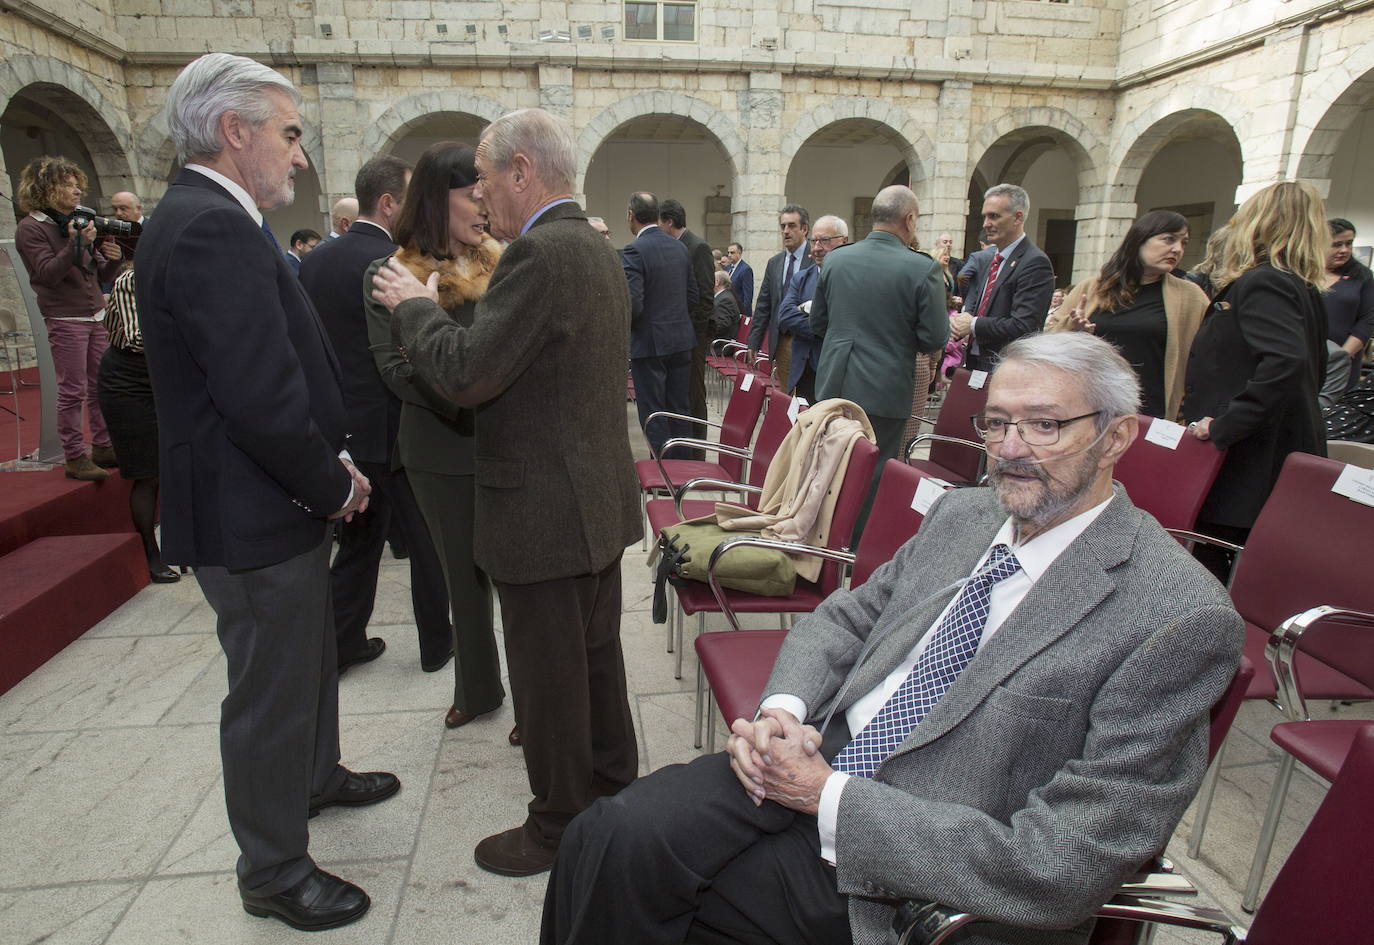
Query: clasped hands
[776, 758]
[393, 284]
[358, 498]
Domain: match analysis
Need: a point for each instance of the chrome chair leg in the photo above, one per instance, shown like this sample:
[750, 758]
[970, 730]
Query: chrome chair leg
[1204, 802]
[711, 713]
[675, 626]
[701, 705]
[1266, 837]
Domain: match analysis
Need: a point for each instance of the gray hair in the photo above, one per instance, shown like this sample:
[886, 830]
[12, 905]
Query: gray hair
[596, 220]
[841, 228]
[1017, 198]
[212, 85]
[722, 279]
[1107, 380]
[892, 204]
[543, 137]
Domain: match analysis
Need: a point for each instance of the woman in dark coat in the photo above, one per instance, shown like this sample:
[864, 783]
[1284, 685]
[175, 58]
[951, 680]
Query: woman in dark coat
[1349, 297]
[1259, 358]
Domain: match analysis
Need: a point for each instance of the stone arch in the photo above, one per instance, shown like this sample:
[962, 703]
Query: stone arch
[392, 124]
[1045, 127]
[1141, 138]
[676, 104]
[1338, 98]
[908, 136]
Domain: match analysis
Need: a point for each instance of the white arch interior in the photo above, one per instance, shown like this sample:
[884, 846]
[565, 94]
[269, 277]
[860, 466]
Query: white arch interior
[444, 126]
[1196, 173]
[669, 156]
[1039, 160]
[1351, 195]
[841, 167]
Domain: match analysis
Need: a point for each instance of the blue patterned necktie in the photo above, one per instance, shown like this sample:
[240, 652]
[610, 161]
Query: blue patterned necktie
[955, 642]
[270, 237]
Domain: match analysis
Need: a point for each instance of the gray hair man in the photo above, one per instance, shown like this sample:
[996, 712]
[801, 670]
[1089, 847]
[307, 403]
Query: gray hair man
[251, 428]
[1011, 297]
[1061, 653]
[794, 316]
[600, 226]
[556, 496]
[794, 225]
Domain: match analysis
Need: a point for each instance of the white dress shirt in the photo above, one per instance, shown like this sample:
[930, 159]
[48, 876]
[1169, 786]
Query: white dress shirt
[1035, 557]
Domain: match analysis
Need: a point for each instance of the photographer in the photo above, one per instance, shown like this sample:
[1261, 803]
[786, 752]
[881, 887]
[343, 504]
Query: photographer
[66, 265]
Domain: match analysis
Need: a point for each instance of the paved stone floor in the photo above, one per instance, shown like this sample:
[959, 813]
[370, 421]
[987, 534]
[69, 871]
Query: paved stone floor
[112, 824]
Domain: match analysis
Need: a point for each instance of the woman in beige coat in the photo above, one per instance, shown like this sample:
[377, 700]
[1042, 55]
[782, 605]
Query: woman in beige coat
[1139, 305]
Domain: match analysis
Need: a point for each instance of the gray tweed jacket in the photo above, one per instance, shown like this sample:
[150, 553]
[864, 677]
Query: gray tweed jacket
[544, 362]
[1063, 756]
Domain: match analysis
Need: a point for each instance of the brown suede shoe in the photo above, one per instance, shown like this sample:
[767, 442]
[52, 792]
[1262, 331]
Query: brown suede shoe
[82, 468]
[104, 457]
[514, 853]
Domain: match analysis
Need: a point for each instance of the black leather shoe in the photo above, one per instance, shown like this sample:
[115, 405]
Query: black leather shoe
[514, 853]
[318, 902]
[359, 789]
[163, 575]
[433, 666]
[375, 648]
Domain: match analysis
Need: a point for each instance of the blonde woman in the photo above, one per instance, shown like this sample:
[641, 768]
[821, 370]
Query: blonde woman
[1260, 356]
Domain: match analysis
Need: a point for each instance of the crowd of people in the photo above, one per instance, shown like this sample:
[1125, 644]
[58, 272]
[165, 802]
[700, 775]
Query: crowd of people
[447, 366]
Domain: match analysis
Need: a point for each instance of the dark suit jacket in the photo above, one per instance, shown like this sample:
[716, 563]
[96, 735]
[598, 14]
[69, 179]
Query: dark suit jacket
[877, 305]
[806, 348]
[250, 413]
[771, 291]
[1020, 299]
[725, 315]
[742, 278]
[663, 292]
[704, 274]
[1256, 366]
[545, 356]
[333, 278]
[1078, 733]
[293, 262]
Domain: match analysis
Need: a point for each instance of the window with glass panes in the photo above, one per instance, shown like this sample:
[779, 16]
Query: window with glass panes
[664, 21]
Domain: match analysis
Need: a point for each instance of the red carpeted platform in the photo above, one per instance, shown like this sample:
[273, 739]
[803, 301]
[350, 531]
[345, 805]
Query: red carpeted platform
[57, 588]
[39, 504]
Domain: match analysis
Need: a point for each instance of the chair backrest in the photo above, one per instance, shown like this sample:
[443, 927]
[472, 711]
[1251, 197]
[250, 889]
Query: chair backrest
[858, 477]
[1170, 484]
[742, 332]
[1321, 893]
[737, 426]
[773, 430]
[1352, 452]
[1225, 708]
[1310, 546]
[961, 402]
[892, 521]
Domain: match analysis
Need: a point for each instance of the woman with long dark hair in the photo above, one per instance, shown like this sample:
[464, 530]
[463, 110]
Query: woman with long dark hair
[442, 229]
[1349, 296]
[1139, 305]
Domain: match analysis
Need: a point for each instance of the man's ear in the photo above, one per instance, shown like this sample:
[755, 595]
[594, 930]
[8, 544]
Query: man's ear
[1119, 439]
[521, 177]
[233, 130]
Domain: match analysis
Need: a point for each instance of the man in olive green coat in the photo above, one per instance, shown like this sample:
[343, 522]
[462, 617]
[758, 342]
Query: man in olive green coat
[878, 305]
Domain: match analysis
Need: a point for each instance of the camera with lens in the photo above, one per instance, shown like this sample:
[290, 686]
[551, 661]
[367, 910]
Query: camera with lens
[104, 226]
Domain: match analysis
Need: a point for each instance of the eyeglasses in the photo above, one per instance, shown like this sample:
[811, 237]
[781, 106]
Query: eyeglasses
[1034, 431]
[817, 240]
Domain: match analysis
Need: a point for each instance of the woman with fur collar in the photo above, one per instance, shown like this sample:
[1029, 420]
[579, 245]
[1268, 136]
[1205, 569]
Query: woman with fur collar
[442, 229]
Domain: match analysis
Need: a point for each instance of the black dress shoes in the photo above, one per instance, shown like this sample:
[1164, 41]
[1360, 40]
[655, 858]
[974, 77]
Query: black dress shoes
[163, 575]
[318, 902]
[514, 853]
[375, 648]
[359, 789]
[434, 665]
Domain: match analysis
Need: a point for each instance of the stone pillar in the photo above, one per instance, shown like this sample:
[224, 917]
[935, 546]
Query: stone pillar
[944, 194]
[1101, 227]
[556, 89]
[341, 130]
[758, 189]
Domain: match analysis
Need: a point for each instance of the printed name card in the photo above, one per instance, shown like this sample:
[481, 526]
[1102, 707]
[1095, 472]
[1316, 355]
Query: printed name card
[978, 379]
[795, 408]
[927, 491]
[1355, 483]
[748, 319]
[1165, 433]
[748, 381]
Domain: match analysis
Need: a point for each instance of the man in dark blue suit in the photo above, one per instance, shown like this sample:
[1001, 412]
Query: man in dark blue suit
[794, 223]
[663, 291]
[303, 242]
[794, 315]
[332, 276]
[741, 278]
[252, 429]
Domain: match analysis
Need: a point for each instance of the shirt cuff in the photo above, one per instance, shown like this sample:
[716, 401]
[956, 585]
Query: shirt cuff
[352, 485]
[829, 813]
[788, 704]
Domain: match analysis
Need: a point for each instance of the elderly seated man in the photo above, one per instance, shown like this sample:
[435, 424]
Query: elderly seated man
[1026, 683]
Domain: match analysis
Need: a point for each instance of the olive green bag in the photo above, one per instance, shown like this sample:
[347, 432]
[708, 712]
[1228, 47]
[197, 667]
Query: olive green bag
[761, 571]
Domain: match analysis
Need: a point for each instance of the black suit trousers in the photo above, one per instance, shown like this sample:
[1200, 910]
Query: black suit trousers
[683, 855]
[663, 383]
[353, 575]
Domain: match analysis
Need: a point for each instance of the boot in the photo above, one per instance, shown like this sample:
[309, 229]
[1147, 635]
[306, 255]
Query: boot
[82, 468]
[104, 457]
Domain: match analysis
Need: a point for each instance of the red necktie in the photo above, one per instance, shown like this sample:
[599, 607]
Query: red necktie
[992, 282]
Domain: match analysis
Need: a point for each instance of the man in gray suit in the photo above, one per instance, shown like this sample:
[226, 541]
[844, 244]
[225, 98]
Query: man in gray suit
[1028, 683]
[556, 497]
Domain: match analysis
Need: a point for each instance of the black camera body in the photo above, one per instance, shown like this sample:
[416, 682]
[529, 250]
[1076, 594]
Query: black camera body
[104, 226]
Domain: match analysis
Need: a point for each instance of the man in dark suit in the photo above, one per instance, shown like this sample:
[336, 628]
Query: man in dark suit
[332, 275]
[1013, 297]
[302, 242]
[673, 219]
[794, 317]
[1057, 654]
[795, 224]
[252, 426]
[741, 278]
[663, 292]
[556, 496]
[725, 313]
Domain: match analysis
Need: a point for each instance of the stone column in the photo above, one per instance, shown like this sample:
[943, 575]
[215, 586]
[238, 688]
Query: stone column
[556, 89]
[758, 189]
[1101, 227]
[944, 194]
[341, 130]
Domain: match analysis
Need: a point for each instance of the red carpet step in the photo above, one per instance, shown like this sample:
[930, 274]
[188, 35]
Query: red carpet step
[38, 504]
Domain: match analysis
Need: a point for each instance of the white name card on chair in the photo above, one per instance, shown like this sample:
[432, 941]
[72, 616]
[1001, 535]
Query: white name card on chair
[748, 381]
[794, 409]
[927, 491]
[977, 379]
[1355, 483]
[1165, 433]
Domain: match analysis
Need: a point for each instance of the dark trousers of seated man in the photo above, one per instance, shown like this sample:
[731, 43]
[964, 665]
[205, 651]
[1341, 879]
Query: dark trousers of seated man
[683, 855]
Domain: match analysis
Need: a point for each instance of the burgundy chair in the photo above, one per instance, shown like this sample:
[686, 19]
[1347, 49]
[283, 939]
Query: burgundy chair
[1170, 484]
[694, 597]
[734, 666]
[955, 456]
[1321, 894]
[1309, 547]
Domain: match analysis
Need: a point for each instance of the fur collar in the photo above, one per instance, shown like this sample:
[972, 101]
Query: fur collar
[460, 280]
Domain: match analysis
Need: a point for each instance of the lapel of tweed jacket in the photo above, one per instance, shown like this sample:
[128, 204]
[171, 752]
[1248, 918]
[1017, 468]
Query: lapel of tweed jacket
[1060, 601]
